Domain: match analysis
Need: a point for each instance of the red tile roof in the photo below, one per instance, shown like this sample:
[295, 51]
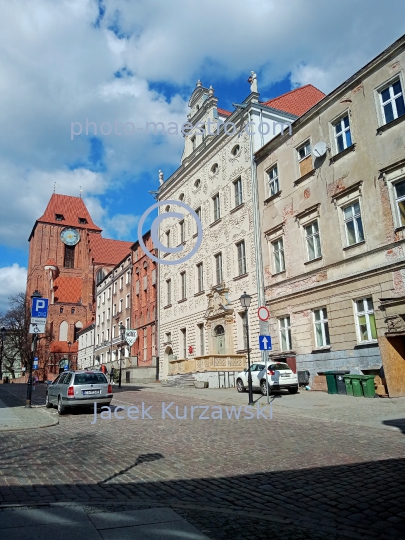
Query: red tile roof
[223, 112]
[68, 289]
[298, 101]
[106, 251]
[63, 347]
[71, 208]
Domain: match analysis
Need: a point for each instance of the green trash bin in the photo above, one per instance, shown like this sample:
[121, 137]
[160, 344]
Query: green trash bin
[367, 382]
[331, 382]
[348, 383]
[357, 386]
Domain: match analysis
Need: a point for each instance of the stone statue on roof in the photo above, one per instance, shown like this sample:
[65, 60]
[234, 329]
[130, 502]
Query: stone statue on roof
[161, 178]
[253, 82]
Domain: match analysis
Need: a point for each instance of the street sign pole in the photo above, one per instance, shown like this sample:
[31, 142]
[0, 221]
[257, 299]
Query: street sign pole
[36, 294]
[263, 314]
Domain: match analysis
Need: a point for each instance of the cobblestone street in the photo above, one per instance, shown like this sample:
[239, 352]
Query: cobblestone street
[285, 477]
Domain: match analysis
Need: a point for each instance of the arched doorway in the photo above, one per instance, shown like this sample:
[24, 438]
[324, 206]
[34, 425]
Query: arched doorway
[220, 339]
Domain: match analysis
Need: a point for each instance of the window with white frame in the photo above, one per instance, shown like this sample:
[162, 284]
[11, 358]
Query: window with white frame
[237, 185]
[182, 231]
[200, 277]
[217, 208]
[127, 323]
[113, 331]
[201, 338]
[353, 224]
[98, 339]
[168, 239]
[343, 136]
[285, 333]
[321, 327]
[109, 293]
[168, 292]
[121, 302]
[114, 310]
[272, 178]
[365, 320]
[278, 255]
[243, 331]
[313, 241]
[183, 285]
[127, 301]
[168, 337]
[241, 254]
[98, 301]
[128, 277]
[108, 334]
[98, 320]
[115, 288]
[218, 268]
[103, 297]
[121, 282]
[399, 192]
[392, 101]
[108, 314]
[198, 212]
[103, 317]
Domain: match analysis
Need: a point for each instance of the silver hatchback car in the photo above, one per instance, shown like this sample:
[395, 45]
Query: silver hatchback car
[78, 388]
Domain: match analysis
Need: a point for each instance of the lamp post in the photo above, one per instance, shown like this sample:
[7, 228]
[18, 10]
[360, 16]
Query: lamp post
[35, 294]
[245, 300]
[69, 344]
[122, 333]
[3, 333]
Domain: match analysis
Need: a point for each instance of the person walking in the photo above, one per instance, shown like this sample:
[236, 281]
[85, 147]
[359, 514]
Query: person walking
[112, 374]
[104, 369]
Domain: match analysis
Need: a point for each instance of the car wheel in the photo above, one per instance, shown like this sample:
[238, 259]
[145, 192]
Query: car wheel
[293, 390]
[239, 386]
[263, 388]
[61, 407]
[48, 404]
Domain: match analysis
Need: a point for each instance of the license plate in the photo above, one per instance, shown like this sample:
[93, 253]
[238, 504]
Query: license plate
[285, 374]
[91, 392]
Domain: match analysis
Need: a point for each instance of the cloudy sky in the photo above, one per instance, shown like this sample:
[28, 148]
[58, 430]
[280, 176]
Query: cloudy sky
[64, 61]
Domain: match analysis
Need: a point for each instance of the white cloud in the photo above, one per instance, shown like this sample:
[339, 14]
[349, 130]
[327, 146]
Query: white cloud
[57, 67]
[13, 280]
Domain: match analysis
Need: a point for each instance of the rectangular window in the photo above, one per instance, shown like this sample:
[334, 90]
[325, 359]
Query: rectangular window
[127, 323]
[240, 247]
[114, 310]
[343, 135]
[193, 142]
[278, 256]
[238, 191]
[128, 277]
[168, 239]
[98, 320]
[115, 287]
[69, 261]
[184, 342]
[353, 224]
[321, 327]
[273, 181]
[243, 334]
[168, 337]
[201, 338]
[200, 277]
[365, 320]
[182, 232]
[392, 101]
[400, 200]
[168, 292]
[285, 333]
[103, 317]
[305, 158]
[109, 293]
[121, 302]
[217, 209]
[127, 301]
[98, 302]
[113, 331]
[121, 283]
[108, 314]
[108, 334]
[183, 285]
[103, 297]
[313, 241]
[218, 268]
[198, 212]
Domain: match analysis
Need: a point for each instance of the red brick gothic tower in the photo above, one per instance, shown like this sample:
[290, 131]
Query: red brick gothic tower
[67, 254]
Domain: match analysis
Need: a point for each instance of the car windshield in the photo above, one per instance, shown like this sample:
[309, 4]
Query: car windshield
[90, 378]
[279, 367]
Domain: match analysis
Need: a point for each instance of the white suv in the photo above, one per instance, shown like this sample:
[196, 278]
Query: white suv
[280, 376]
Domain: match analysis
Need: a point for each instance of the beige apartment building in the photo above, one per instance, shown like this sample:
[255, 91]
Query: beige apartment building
[332, 206]
[202, 322]
[113, 308]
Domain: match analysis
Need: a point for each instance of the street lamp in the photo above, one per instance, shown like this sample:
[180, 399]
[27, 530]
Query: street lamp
[69, 344]
[245, 300]
[122, 333]
[3, 333]
[35, 294]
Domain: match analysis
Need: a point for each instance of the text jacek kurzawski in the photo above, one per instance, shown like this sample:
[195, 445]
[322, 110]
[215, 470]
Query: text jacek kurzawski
[183, 412]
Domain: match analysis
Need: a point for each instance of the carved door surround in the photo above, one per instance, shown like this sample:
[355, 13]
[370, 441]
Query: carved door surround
[219, 314]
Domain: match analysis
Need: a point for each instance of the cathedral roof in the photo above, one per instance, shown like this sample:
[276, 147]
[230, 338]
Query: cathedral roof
[106, 251]
[68, 211]
[68, 289]
[297, 101]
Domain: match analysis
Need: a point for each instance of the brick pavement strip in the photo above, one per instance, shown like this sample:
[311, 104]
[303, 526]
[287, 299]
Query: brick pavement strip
[285, 478]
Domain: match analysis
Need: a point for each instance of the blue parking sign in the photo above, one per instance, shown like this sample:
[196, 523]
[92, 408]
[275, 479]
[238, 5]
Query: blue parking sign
[39, 308]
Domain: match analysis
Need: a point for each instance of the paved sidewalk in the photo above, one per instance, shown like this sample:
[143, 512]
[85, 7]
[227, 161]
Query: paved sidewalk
[14, 415]
[93, 523]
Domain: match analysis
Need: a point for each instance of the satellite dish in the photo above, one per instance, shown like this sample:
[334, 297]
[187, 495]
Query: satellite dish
[319, 149]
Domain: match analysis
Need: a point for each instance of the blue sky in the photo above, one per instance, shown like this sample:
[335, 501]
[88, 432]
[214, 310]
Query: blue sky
[138, 61]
